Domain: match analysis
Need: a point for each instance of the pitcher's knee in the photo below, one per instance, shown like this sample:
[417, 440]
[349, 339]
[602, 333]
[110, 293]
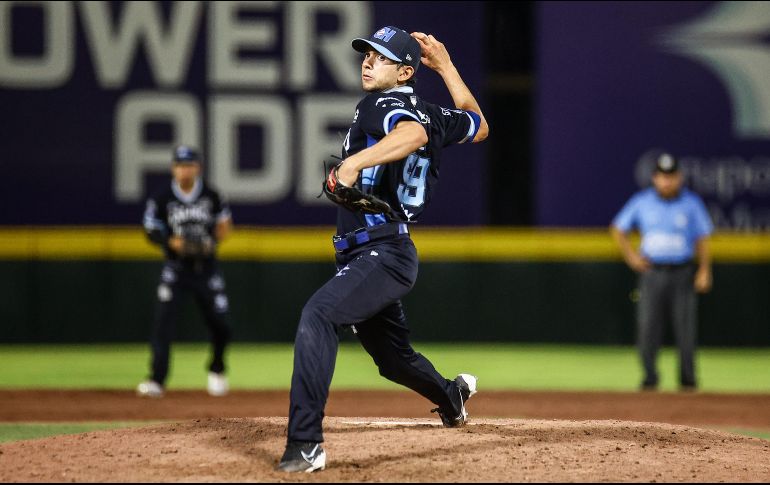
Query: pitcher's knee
[313, 315]
[321, 314]
[390, 372]
[314, 325]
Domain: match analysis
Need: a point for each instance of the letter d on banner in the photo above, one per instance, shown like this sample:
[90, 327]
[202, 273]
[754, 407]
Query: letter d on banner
[133, 155]
[270, 183]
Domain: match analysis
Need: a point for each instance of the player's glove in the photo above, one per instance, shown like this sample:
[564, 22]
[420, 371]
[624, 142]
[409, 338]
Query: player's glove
[197, 246]
[351, 197]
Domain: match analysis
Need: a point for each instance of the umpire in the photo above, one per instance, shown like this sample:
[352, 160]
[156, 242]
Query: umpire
[674, 263]
[188, 219]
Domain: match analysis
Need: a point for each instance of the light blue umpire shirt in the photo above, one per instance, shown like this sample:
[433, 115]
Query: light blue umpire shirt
[670, 229]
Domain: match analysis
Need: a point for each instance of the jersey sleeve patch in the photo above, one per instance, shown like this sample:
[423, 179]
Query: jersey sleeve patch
[473, 128]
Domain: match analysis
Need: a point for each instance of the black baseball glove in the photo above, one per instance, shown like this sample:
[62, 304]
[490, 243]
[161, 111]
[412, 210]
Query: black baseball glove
[197, 246]
[351, 197]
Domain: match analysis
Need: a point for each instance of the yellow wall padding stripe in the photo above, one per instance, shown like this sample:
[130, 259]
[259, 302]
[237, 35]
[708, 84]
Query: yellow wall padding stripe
[314, 244]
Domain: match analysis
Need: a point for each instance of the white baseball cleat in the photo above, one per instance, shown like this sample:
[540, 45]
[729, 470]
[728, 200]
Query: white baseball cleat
[217, 385]
[149, 389]
[466, 387]
[467, 384]
[302, 457]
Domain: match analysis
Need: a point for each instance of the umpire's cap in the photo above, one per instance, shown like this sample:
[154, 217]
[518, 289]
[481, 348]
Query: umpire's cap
[185, 153]
[666, 163]
[393, 43]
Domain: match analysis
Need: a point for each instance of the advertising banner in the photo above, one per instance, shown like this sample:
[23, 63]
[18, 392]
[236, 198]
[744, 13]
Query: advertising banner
[94, 96]
[620, 81]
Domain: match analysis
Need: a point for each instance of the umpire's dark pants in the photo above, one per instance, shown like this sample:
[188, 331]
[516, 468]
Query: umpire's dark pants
[366, 291]
[667, 293]
[206, 284]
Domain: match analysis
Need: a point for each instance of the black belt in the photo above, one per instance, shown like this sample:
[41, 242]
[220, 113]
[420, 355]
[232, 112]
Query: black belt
[673, 266]
[346, 242]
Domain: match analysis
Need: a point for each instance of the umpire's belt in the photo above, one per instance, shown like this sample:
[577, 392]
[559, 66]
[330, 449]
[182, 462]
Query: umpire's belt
[359, 237]
[673, 266]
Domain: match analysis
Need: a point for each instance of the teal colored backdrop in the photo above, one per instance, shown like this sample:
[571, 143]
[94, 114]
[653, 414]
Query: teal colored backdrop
[568, 302]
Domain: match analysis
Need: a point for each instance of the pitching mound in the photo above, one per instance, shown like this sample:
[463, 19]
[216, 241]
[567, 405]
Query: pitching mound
[394, 450]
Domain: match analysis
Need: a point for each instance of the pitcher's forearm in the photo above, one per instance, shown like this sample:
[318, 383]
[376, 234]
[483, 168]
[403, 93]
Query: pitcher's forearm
[404, 139]
[436, 57]
[463, 98]
[461, 95]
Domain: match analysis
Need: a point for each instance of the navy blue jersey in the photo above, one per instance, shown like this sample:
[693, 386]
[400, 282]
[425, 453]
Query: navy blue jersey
[174, 213]
[407, 184]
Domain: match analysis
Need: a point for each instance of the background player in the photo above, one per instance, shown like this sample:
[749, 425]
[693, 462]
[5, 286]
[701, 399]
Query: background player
[674, 262]
[393, 151]
[188, 220]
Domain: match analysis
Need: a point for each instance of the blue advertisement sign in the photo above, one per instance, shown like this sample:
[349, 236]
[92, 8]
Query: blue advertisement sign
[96, 94]
[620, 81]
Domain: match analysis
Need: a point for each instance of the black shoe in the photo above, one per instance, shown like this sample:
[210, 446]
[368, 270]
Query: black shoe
[466, 385]
[688, 387]
[648, 385]
[302, 456]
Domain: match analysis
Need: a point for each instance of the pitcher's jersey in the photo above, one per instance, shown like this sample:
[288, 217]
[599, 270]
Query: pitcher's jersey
[193, 215]
[407, 184]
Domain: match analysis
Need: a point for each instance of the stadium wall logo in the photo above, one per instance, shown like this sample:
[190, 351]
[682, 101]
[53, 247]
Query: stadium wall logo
[731, 185]
[262, 70]
[731, 39]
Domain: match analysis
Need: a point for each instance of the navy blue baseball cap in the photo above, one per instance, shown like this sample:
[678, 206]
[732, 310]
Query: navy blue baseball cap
[185, 153]
[393, 43]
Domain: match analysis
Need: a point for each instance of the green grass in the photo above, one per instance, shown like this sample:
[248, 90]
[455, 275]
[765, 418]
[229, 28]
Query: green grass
[762, 434]
[28, 431]
[269, 366]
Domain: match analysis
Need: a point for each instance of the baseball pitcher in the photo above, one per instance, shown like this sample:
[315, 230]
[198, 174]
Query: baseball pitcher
[389, 171]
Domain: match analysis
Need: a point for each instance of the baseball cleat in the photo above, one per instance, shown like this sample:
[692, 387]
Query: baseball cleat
[217, 385]
[302, 456]
[466, 386]
[149, 389]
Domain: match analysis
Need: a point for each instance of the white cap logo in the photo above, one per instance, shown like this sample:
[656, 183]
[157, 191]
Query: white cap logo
[666, 162]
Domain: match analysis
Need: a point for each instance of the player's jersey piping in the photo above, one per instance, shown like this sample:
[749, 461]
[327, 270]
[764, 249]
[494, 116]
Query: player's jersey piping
[192, 196]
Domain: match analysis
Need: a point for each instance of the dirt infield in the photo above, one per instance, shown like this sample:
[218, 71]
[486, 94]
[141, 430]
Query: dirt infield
[726, 410]
[555, 436]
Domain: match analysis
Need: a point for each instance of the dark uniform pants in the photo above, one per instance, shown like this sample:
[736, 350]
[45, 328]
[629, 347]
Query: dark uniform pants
[207, 286]
[367, 292]
[668, 293]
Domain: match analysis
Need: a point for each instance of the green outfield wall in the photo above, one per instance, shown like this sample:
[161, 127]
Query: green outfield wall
[99, 285]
